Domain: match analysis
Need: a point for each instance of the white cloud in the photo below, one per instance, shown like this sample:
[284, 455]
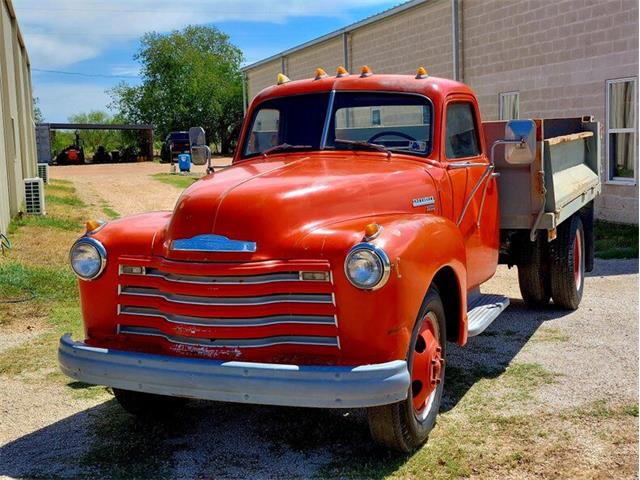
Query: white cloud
[58, 101]
[59, 33]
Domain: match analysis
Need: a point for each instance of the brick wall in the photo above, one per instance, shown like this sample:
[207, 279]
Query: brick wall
[402, 42]
[261, 77]
[558, 56]
[327, 55]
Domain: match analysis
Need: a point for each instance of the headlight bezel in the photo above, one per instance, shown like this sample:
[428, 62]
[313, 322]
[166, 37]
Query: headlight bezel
[384, 261]
[102, 253]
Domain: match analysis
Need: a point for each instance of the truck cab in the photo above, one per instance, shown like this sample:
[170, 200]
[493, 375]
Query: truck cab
[332, 262]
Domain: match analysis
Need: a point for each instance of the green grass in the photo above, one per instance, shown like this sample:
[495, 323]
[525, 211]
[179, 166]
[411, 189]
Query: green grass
[108, 211]
[613, 240]
[180, 181]
[72, 201]
[45, 221]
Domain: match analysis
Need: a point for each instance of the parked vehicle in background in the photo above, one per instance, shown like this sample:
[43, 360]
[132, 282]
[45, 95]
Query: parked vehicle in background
[71, 155]
[174, 144]
[331, 263]
[101, 155]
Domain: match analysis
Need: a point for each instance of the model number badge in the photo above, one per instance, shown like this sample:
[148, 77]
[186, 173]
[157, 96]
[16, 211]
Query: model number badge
[429, 202]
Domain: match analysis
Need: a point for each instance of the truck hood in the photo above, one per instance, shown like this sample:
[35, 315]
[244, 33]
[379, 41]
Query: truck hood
[275, 202]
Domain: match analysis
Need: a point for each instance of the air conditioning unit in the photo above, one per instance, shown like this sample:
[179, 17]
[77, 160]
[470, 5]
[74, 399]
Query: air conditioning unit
[34, 196]
[43, 172]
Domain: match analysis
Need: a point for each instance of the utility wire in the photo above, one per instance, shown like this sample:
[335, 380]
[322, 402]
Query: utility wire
[81, 74]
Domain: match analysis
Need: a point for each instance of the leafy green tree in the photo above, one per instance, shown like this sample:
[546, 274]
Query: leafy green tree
[92, 139]
[189, 78]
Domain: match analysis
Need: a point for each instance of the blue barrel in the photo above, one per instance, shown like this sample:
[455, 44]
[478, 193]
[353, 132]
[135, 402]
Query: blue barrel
[184, 162]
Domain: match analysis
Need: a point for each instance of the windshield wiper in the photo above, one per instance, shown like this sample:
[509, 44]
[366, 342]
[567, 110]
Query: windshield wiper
[363, 143]
[284, 146]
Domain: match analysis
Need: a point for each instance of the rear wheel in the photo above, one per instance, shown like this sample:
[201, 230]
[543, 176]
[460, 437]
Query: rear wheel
[567, 264]
[533, 274]
[148, 405]
[405, 425]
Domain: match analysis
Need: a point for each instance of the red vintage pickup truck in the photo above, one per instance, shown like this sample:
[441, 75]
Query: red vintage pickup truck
[331, 263]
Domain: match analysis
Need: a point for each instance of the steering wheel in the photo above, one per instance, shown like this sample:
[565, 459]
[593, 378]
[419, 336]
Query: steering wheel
[391, 132]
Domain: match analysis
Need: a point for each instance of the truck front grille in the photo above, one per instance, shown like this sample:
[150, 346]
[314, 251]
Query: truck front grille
[251, 305]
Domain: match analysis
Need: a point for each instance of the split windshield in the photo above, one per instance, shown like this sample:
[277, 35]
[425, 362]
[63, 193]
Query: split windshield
[396, 121]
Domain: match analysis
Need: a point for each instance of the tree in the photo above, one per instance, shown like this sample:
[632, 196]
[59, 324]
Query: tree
[37, 113]
[92, 139]
[189, 78]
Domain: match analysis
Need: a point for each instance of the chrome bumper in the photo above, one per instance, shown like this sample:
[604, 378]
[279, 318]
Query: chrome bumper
[244, 382]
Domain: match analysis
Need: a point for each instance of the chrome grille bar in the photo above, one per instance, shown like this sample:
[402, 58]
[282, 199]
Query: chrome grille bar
[228, 301]
[230, 322]
[232, 342]
[225, 279]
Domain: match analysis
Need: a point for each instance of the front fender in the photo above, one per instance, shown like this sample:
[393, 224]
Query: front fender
[379, 323]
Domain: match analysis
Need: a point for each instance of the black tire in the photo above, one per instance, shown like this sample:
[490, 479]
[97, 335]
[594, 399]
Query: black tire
[397, 426]
[533, 274]
[148, 405]
[567, 271]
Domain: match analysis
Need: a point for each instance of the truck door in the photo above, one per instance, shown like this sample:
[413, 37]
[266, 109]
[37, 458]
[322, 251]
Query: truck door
[466, 158]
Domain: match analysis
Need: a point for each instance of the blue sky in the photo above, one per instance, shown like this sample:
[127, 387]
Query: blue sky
[98, 38]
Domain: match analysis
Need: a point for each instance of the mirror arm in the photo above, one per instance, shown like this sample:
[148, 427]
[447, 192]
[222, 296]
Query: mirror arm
[504, 141]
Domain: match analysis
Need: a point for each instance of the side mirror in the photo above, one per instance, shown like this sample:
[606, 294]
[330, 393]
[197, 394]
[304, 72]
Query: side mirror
[197, 137]
[200, 155]
[521, 148]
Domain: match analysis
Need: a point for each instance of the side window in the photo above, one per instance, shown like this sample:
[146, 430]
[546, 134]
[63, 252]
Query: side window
[265, 131]
[461, 134]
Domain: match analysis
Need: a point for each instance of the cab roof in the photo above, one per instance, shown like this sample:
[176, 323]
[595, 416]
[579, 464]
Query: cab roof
[428, 85]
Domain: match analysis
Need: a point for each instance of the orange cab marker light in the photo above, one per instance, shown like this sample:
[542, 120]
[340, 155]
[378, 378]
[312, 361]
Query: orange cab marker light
[365, 71]
[371, 231]
[421, 73]
[320, 73]
[282, 78]
[341, 72]
[93, 225]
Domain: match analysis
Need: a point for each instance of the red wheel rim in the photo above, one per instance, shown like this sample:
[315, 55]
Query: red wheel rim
[426, 366]
[577, 259]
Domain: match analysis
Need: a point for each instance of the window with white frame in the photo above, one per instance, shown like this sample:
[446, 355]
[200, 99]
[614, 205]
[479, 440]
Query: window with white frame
[622, 108]
[509, 105]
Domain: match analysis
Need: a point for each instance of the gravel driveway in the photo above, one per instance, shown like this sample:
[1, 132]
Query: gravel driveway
[127, 187]
[592, 354]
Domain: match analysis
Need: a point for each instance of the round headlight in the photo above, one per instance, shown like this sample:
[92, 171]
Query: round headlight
[367, 266]
[88, 258]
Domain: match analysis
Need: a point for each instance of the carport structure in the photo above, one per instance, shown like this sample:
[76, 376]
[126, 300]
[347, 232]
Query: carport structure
[43, 136]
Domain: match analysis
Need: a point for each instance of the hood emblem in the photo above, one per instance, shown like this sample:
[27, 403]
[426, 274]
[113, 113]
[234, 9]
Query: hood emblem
[429, 202]
[212, 243]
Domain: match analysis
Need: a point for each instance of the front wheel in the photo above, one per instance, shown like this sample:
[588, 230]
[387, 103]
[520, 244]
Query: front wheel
[405, 425]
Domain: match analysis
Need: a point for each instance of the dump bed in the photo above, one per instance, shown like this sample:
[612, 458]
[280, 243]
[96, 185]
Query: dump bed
[562, 178]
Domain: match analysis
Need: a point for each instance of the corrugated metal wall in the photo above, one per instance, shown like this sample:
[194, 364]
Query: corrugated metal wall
[17, 133]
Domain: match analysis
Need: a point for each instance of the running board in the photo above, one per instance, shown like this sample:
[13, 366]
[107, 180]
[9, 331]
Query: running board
[482, 311]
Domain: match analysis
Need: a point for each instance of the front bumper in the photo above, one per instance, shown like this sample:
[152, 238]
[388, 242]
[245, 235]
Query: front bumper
[244, 382]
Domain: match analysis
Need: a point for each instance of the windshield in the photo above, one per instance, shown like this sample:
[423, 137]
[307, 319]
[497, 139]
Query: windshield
[399, 122]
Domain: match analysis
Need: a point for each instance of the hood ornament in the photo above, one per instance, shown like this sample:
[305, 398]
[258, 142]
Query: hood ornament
[212, 243]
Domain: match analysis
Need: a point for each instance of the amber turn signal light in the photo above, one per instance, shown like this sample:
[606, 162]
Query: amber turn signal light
[422, 73]
[93, 225]
[371, 231]
[341, 72]
[282, 78]
[365, 71]
[320, 73]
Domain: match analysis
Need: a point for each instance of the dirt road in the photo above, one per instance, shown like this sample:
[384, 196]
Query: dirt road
[128, 188]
